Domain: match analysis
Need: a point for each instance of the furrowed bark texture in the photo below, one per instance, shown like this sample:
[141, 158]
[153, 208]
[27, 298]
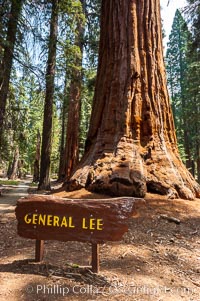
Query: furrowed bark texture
[131, 146]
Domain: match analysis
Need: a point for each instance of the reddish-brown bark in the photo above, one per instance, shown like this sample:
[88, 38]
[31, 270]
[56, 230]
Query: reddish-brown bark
[61, 172]
[131, 146]
[73, 121]
[72, 134]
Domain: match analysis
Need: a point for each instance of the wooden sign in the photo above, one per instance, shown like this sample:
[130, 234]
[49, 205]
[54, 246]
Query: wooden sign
[44, 217]
[91, 220]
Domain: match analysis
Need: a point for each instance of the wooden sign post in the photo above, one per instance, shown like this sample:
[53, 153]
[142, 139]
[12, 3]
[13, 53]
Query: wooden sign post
[44, 217]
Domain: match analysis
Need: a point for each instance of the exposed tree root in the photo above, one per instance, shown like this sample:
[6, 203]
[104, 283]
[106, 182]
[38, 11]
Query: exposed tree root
[132, 171]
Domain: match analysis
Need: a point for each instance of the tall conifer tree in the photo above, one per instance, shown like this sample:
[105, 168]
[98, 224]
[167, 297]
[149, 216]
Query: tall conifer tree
[177, 67]
[44, 182]
[7, 58]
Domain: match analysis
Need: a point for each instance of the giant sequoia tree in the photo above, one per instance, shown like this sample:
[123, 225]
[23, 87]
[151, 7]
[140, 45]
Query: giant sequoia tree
[131, 146]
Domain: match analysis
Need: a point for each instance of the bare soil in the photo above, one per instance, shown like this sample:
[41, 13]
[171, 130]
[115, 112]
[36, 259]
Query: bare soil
[158, 259]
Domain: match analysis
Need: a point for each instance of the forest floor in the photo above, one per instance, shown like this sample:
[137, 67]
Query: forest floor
[157, 259]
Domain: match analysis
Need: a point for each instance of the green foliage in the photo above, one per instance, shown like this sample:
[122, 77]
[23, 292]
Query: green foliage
[183, 69]
[23, 118]
[56, 142]
[193, 12]
[33, 184]
[176, 65]
[91, 43]
[77, 45]
[9, 182]
[24, 111]
[92, 32]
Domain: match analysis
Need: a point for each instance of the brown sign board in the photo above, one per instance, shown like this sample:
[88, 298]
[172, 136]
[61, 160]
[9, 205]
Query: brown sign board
[44, 217]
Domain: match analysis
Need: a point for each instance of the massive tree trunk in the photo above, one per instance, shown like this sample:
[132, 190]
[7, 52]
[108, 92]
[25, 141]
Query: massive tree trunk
[131, 146]
[44, 182]
[7, 59]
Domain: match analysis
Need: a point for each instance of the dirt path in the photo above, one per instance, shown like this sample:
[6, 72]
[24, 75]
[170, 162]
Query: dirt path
[11, 194]
[157, 260]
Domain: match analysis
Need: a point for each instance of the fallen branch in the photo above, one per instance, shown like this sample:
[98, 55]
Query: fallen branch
[170, 219]
[195, 283]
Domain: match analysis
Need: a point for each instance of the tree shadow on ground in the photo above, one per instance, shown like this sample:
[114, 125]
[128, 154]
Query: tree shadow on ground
[78, 274]
[52, 282]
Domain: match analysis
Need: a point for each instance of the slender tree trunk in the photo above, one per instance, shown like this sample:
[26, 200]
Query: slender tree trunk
[71, 152]
[198, 165]
[6, 64]
[36, 167]
[13, 172]
[20, 169]
[73, 122]
[131, 146]
[197, 142]
[9, 170]
[61, 172]
[187, 146]
[44, 182]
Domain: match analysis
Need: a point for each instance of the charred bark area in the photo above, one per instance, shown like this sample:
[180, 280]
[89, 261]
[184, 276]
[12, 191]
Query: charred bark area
[131, 146]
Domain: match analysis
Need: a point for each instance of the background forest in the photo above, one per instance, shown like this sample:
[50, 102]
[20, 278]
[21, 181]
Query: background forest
[48, 62]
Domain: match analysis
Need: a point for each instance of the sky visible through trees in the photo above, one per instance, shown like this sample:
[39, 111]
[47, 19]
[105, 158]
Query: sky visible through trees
[168, 10]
